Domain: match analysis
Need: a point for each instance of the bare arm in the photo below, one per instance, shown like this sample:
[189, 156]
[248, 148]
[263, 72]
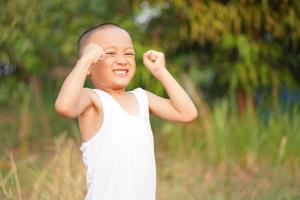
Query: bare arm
[179, 107]
[73, 99]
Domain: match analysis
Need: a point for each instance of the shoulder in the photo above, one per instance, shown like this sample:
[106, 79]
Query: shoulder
[147, 93]
[142, 92]
[155, 101]
[89, 92]
[93, 96]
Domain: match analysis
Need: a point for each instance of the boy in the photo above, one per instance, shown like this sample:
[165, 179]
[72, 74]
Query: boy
[117, 141]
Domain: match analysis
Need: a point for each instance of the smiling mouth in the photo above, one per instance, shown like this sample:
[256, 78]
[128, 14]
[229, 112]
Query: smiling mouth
[121, 72]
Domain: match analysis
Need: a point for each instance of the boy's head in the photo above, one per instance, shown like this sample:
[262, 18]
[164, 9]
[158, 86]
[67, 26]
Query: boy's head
[82, 40]
[117, 68]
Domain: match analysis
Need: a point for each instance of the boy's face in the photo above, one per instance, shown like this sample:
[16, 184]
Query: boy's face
[117, 68]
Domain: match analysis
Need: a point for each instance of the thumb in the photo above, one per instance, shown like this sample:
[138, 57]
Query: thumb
[146, 59]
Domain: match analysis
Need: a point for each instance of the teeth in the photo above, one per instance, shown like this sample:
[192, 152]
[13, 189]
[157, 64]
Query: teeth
[120, 72]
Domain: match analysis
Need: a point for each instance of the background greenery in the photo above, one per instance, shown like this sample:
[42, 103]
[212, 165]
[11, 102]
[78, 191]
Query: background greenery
[239, 61]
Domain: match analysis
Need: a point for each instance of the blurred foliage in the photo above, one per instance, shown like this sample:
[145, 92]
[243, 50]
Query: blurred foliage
[242, 45]
[245, 44]
[226, 47]
[37, 36]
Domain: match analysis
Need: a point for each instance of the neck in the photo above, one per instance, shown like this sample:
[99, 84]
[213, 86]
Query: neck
[113, 91]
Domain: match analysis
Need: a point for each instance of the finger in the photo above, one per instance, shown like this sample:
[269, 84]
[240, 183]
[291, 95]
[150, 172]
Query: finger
[149, 52]
[102, 56]
[96, 45]
[146, 55]
[152, 57]
[146, 61]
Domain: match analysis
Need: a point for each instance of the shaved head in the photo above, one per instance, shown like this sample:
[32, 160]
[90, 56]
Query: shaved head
[86, 35]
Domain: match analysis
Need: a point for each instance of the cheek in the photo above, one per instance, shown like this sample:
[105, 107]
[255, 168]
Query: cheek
[132, 62]
[133, 65]
[104, 64]
[133, 71]
[100, 69]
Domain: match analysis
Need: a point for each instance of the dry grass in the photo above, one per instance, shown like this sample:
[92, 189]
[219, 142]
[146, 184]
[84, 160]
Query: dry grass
[62, 176]
[180, 175]
[191, 178]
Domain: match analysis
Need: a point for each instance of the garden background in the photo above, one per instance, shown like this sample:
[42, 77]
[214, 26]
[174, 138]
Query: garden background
[238, 60]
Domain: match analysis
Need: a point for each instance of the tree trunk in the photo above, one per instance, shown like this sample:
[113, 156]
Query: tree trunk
[25, 126]
[36, 88]
[243, 101]
[201, 104]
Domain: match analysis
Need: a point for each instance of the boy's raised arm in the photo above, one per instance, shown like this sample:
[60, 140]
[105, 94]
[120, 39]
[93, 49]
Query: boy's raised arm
[73, 99]
[179, 107]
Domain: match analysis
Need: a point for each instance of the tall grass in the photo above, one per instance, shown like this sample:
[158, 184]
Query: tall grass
[246, 157]
[238, 139]
[60, 177]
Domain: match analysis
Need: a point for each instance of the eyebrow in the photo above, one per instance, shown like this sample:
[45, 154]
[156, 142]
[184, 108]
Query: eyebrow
[116, 48]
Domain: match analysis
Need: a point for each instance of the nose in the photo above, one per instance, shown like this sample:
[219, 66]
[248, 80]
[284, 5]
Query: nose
[121, 60]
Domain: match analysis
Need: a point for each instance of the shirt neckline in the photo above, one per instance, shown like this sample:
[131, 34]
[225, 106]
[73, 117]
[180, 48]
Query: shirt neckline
[125, 113]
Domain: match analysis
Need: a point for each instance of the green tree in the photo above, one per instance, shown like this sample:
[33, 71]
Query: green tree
[36, 36]
[245, 45]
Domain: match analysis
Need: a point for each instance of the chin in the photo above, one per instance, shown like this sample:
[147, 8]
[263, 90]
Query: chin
[120, 84]
[124, 82]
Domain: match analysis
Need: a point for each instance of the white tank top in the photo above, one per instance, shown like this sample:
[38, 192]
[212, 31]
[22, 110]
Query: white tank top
[120, 158]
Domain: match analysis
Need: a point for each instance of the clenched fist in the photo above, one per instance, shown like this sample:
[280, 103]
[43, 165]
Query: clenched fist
[91, 54]
[154, 62]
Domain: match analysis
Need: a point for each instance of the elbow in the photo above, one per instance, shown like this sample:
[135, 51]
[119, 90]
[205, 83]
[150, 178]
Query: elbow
[63, 110]
[192, 116]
